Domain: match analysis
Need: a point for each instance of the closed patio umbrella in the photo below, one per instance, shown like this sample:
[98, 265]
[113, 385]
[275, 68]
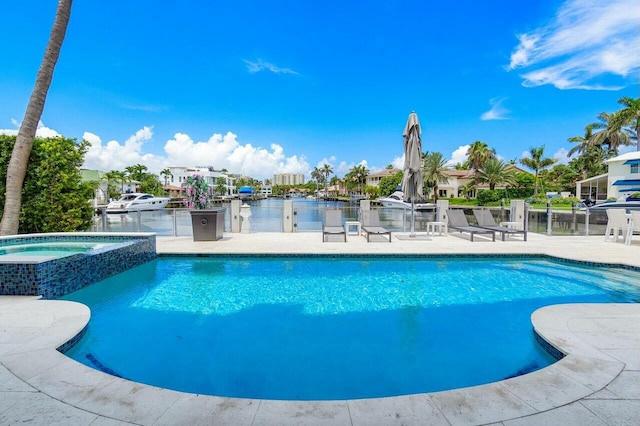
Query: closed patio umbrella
[412, 178]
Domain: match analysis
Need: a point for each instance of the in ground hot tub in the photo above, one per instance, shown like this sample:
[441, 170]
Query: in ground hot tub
[52, 265]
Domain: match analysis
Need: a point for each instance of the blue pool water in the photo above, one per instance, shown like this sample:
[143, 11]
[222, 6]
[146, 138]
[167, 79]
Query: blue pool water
[319, 328]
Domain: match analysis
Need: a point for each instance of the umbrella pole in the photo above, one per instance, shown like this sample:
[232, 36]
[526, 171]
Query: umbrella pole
[413, 222]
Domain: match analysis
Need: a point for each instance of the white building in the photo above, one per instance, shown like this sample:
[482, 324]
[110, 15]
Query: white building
[622, 179]
[288, 179]
[266, 190]
[180, 174]
[374, 178]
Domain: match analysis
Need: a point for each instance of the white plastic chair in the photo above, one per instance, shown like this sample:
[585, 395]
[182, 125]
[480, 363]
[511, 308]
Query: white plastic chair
[634, 225]
[618, 224]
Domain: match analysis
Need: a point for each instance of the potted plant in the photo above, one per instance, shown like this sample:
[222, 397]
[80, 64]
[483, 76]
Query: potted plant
[207, 222]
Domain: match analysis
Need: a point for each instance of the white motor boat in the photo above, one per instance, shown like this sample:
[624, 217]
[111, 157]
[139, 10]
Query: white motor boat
[137, 201]
[628, 205]
[396, 201]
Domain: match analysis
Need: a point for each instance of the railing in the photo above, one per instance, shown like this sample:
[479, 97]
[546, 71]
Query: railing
[308, 218]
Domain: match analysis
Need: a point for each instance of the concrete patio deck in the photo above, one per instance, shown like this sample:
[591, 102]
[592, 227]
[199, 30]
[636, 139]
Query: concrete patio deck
[597, 383]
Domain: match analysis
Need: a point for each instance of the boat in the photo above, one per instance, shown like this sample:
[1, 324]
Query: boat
[137, 201]
[245, 193]
[396, 201]
[628, 205]
[628, 202]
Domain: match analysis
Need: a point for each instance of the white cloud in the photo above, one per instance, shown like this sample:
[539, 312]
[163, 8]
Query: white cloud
[42, 131]
[587, 40]
[561, 156]
[344, 167]
[260, 65]
[459, 156]
[398, 162]
[497, 111]
[525, 154]
[222, 152]
[330, 161]
[116, 156]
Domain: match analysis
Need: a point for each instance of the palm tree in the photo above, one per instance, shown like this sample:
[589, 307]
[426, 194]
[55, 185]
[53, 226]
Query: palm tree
[113, 176]
[17, 167]
[136, 172]
[357, 176]
[496, 172]
[434, 166]
[166, 173]
[467, 190]
[590, 163]
[537, 163]
[477, 154]
[317, 175]
[611, 133]
[583, 141]
[627, 116]
[326, 170]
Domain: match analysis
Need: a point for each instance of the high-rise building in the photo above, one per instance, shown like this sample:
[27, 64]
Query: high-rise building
[288, 179]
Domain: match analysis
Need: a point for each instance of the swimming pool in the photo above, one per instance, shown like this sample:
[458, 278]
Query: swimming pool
[317, 328]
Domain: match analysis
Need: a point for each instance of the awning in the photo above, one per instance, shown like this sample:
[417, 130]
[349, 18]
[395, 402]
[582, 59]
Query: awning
[632, 161]
[626, 182]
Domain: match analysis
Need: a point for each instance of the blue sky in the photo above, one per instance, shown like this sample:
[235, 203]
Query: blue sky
[264, 87]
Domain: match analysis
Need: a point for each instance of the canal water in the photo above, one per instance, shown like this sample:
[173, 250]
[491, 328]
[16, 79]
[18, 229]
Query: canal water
[266, 216]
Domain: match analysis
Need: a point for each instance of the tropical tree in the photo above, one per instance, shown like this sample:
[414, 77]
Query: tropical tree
[17, 168]
[136, 172]
[166, 173]
[590, 163]
[477, 154]
[537, 162]
[115, 176]
[221, 186]
[495, 172]
[356, 177]
[434, 167]
[372, 192]
[629, 117]
[467, 189]
[562, 178]
[326, 170]
[610, 133]
[55, 197]
[388, 184]
[316, 175]
[584, 142]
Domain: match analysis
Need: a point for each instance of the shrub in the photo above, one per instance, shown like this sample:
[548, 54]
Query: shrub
[564, 201]
[198, 194]
[54, 198]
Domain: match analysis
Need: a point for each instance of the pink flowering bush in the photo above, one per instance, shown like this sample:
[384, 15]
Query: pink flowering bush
[198, 194]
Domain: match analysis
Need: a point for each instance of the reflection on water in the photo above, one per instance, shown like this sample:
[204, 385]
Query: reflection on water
[266, 216]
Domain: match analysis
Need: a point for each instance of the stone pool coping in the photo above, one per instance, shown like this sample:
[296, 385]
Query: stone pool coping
[598, 382]
[595, 381]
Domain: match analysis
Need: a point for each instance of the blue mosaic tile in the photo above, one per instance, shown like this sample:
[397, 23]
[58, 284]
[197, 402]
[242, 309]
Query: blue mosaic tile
[55, 278]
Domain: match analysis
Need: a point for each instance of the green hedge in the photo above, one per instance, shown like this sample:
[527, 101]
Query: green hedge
[487, 196]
